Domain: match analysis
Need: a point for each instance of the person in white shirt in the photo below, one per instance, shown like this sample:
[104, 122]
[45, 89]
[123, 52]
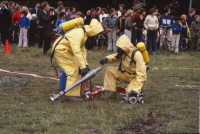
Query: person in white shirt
[121, 8]
[151, 24]
[104, 14]
[29, 16]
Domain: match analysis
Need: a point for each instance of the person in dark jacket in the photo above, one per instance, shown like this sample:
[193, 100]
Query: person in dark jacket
[91, 40]
[36, 10]
[121, 23]
[6, 20]
[45, 20]
[139, 27]
[190, 17]
[33, 28]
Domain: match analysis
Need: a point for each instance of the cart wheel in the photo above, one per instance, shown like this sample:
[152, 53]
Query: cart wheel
[124, 100]
[132, 100]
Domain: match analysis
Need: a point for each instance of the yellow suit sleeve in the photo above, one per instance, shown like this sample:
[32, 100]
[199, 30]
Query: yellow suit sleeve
[75, 43]
[84, 54]
[140, 70]
[112, 58]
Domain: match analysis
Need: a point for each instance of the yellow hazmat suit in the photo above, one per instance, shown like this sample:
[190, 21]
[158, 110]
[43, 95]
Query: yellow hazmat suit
[134, 75]
[70, 53]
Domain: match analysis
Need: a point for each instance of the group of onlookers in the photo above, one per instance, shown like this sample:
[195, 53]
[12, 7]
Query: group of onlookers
[134, 23]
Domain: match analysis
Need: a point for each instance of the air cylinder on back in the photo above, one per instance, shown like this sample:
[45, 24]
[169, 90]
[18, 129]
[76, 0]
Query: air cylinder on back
[71, 24]
[142, 48]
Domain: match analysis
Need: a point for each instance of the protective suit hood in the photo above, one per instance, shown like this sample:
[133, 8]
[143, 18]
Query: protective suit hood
[125, 44]
[94, 28]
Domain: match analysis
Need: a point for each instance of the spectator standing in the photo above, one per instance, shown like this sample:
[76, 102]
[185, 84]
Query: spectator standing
[190, 17]
[12, 8]
[184, 33]
[58, 10]
[61, 9]
[72, 12]
[67, 9]
[29, 16]
[136, 10]
[104, 14]
[139, 27]
[5, 19]
[36, 10]
[23, 24]
[98, 11]
[176, 29]
[45, 21]
[61, 19]
[156, 9]
[129, 24]
[111, 27]
[80, 15]
[104, 37]
[166, 21]
[195, 29]
[91, 40]
[33, 28]
[15, 20]
[121, 23]
[151, 24]
[121, 8]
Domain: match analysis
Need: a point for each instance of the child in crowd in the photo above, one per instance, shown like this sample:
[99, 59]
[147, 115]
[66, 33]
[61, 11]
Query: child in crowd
[176, 29]
[33, 28]
[184, 33]
[61, 19]
[23, 24]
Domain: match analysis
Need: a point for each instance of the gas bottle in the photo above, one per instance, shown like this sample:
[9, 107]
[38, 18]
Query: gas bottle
[63, 79]
[142, 48]
[71, 24]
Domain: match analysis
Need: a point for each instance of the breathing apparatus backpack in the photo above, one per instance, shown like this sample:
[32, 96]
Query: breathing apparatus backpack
[68, 26]
[140, 47]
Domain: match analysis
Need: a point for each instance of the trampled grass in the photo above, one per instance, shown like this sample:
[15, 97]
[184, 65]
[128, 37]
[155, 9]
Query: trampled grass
[26, 108]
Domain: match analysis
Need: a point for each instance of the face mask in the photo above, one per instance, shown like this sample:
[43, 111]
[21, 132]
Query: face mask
[120, 51]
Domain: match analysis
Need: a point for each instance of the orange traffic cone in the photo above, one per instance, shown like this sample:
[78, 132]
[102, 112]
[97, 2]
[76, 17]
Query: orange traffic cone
[7, 48]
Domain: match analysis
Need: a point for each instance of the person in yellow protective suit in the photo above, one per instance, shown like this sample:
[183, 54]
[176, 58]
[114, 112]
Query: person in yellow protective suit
[70, 53]
[131, 72]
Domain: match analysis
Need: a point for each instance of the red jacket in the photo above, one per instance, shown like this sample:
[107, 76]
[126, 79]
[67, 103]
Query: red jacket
[133, 17]
[16, 17]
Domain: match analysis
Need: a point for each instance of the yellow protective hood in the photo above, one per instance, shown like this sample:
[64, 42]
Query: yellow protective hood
[94, 28]
[124, 43]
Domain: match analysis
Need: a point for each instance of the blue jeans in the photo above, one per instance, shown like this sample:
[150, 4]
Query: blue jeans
[182, 42]
[120, 34]
[137, 34]
[151, 38]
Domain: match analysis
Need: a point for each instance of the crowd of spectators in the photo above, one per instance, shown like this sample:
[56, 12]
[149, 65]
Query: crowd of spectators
[24, 26]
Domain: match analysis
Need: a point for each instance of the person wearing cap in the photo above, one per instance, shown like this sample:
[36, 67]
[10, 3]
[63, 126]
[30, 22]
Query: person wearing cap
[23, 24]
[33, 28]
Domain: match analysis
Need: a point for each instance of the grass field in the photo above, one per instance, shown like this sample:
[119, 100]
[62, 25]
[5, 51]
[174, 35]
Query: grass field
[26, 108]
